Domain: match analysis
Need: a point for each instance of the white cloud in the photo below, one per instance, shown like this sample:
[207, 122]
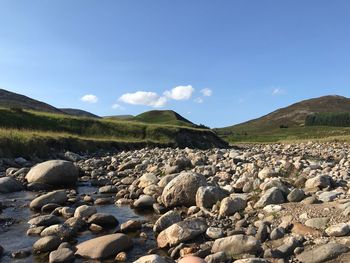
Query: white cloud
[144, 98]
[278, 91]
[89, 98]
[198, 100]
[206, 92]
[180, 93]
[116, 106]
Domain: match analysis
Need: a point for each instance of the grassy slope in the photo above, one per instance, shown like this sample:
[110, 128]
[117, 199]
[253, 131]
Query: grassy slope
[163, 117]
[24, 132]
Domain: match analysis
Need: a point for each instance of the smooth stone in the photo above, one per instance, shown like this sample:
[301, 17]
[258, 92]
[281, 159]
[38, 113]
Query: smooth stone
[61, 255]
[104, 220]
[322, 253]
[85, 211]
[151, 259]
[46, 244]
[166, 220]
[9, 185]
[56, 197]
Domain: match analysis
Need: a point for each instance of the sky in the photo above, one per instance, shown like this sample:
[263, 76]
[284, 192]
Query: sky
[216, 63]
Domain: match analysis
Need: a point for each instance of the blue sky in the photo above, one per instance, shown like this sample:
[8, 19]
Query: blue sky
[215, 62]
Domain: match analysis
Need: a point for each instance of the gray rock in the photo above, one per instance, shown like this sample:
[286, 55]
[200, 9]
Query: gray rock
[181, 232]
[144, 202]
[56, 197]
[214, 232]
[236, 245]
[296, 195]
[44, 220]
[151, 259]
[61, 255]
[46, 244]
[85, 211]
[55, 172]
[318, 222]
[207, 196]
[338, 230]
[182, 190]
[9, 185]
[328, 196]
[216, 258]
[271, 196]
[166, 220]
[104, 220]
[322, 253]
[108, 189]
[318, 182]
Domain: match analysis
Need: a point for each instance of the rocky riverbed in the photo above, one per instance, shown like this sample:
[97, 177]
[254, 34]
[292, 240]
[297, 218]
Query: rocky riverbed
[256, 203]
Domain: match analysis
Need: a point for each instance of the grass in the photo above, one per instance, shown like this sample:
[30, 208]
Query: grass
[293, 134]
[25, 133]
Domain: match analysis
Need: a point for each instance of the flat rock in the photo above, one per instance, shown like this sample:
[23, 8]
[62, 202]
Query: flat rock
[322, 253]
[56, 197]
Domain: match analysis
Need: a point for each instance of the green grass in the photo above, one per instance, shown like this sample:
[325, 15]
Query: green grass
[292, 134]
[25, 132]
[163, 117]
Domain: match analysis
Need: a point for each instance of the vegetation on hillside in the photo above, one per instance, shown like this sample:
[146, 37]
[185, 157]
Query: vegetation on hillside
[168, 117]
[336, 119]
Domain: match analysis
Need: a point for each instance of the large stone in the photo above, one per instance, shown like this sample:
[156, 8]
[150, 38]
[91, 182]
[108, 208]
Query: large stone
[56, 197]
[296, 195]
[144, 202]
[271, 196]
[236, 245]
[267, 172]
[61, 255]
[104, 247]
[46, 244]
[182, 189]
[166, 220]
[231, 205]
[323, 253]
[55, 172]
[147, 180]
[151, 259]
[339, 230]
[318, 182]
[44, 220]
[85, 211]
[9, 185]
[207, 196]
[181, 232]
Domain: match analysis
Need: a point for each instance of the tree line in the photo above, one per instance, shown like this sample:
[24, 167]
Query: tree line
[337, 119]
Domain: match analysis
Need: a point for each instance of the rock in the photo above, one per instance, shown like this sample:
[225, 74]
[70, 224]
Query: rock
[296, 195]
[318, 222]
[207, 196]
[104, 247]
[130, 226]
[216, 258]
[144, 202]
[271, 196]
[108, 189]
[181, 232]
[322, 253]
[318, 182]
[63, 231]
[121, 257]
[61, 255]
[151, 259]
[328, 196]
[9, 185]
[182, 189]
[231, 205]
[147, 180]
[85, 211]
[214, 232]
[44, 220]
[57, 197]
[72, 157]
[252, 260]
[55, 172]
[95, 228]
[277, 233]
[166, 220]
[46, 244]
[338, 230]
[236, 245]
[303, 230]
[267, 172]
[104, 220]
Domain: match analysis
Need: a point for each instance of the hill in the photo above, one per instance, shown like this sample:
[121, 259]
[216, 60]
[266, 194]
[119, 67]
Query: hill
[168, 117]
[287, 122]
[13, 100]
[118, 117]
[79, 113]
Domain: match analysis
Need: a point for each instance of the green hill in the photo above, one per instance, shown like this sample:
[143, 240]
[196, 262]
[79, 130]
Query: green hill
[168, 117]
[289, 123]
[79, 113]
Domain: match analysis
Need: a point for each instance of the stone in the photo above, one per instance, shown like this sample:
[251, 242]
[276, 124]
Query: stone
[318, 222]
[104, 220]
[303, 230]
[85, 211]
[166, 220]
[144, 202]
[147, 180]
[151, 259]
[322, 253]
[296, 195]
[61, 255]
[214, 232]
[207, 196]
[231, 205]
[182, 189]
[181, 232]
[46, 244]
[338, 230]
[318, 182]
[237, 245]
[56, 197]
[216, 257]
[55, 172]
[104, 247]
[130, 226]
[328, 196]
[271, 196]
[267, 172]
[9, 185]
[44, 220]
[108, 189]
[252, 260]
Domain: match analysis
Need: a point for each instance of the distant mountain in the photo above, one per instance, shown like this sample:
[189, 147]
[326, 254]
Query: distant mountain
[119, 117]
[163, 117]
[79, 113]
[291, 116]
[13, 100]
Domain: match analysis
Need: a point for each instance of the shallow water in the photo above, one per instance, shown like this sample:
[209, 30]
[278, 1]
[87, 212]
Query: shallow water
[14, 238]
